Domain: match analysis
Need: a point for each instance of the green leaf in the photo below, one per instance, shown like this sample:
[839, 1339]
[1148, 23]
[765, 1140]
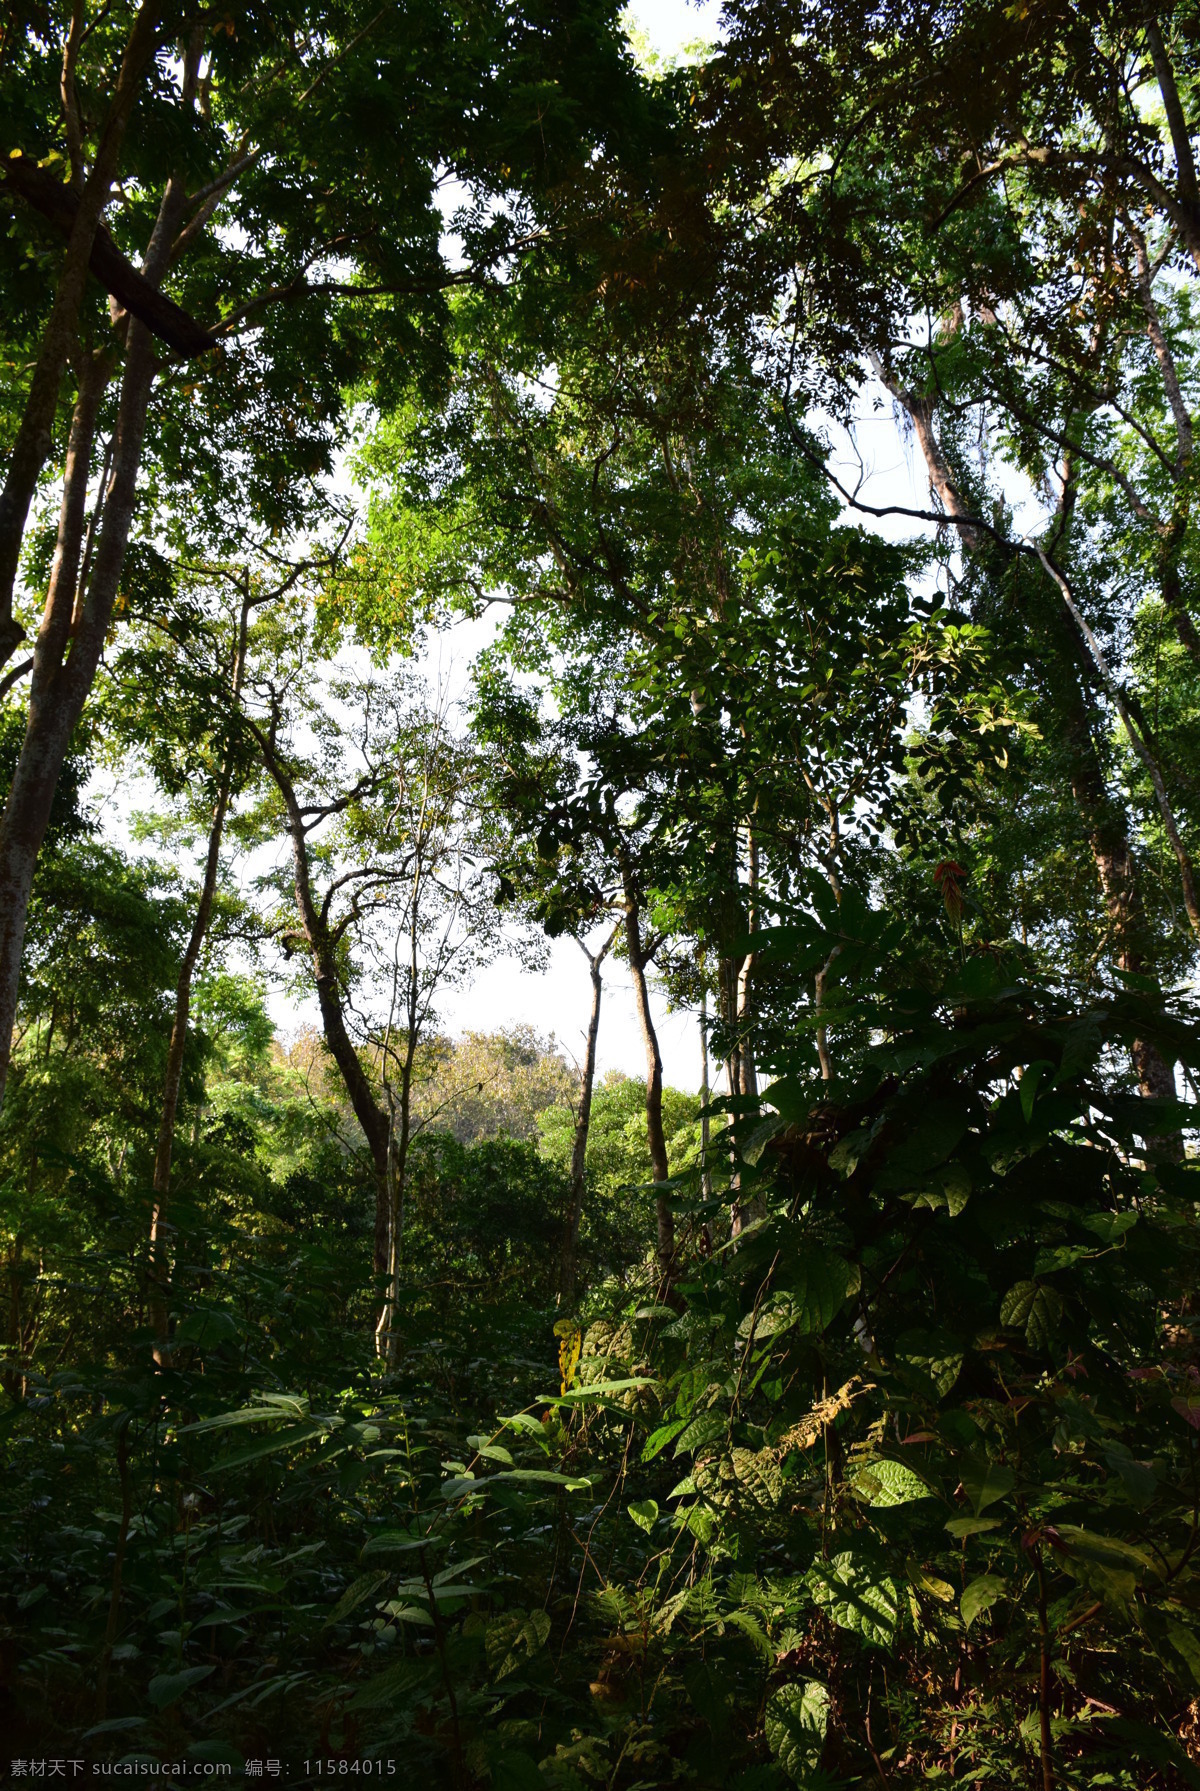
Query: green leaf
[1029, 1085]
[404, 1682]
[971, 1526]
[979, 1595]
[268, 1410]
[819, 1282]
[1035, 1308]
[1186, 1644]
[658, 1439]
[796, 1720]
[397, 1542]
[511, 1634]
[985, 1482]
[1106, 1565]
[515, 1771]
[884, 1483]
[353, 1596]
[743, 1621]
[1109, 1227]
[288, 1438]
[856, 1598]
[935, 1354]
[165, 1688]
[600, 1389]
[207, 1330]
[644, 1514]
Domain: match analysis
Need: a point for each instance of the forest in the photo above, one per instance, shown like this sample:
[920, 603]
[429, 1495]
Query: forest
[797, 426]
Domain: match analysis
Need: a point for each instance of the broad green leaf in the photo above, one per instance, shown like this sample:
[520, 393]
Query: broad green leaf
[1029, 1085]
[971, 1526]
[462, 1485]
[928, 1583]
[819, 1281]
[796, 1719]
[397, 1542]
[265, 1412]
[1035, 1308]
[658, 1439]
[644, 1514]
[1186, 1644]
[857, 1598]
[354, 1595]
[512, 1634]
[884, 1483]
[1110, 1228]
[985, 1482]
[403, 1683]
[207, 1330]
[165, 1688]
[979, 1595]
[290, 1437]
[935, 1354]
[1106, 1565]
[513, 1770]
[601, 1389]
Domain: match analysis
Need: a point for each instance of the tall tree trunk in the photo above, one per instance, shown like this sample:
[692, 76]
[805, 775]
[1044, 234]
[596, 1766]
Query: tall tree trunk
[655, 1137]
[60, 685]
[35, 433]
[374, 1120]
[13, 1378]
[71, 640]
[1105, 822]
[159, 1255]
[705, 1097]
[583, 1120]
[387, 1337]
[747, 1073]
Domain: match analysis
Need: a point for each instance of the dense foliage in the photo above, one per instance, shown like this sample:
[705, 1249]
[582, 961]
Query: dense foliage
[383, 1400]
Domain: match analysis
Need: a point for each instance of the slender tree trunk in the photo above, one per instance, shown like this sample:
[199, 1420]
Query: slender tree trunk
[705, 1097]
[60, 686]
[737, 978]
[1105, 822]
[159, 1255]
[71, 640]
[113, 1624]
[386, 1333]
[374, 1120]
[35, 434]
[570, 1248]
[655, 1137]
[14, 1367]
[747, 1073]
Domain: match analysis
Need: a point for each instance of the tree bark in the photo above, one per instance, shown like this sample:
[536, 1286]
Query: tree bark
[71, 639]
[655, 1138]
[374, 1120]
[60, 684]
[158, 1291]
[36, 430]
[570, 1247]
[115, 272]
[386, 1335]
[705, 1097]
[1105, 823]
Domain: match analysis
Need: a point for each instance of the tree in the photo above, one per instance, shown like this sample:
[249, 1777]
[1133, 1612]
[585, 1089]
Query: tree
[389, 897]
[282, 246]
